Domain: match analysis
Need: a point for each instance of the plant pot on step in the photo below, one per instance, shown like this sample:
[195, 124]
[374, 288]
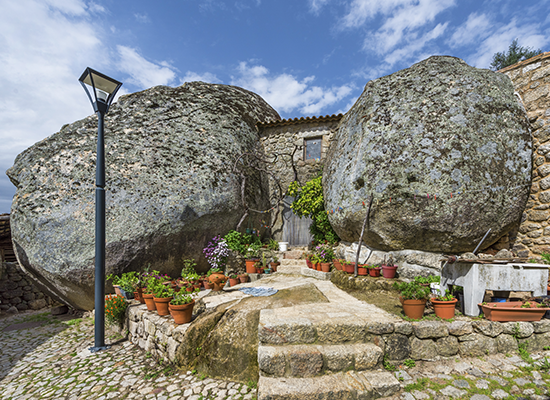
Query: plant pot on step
[149, 302]
[183, 313]
[388, 271]
[375, 272]
[444, 309]
[349, 268]
[251, 265]
[325, 267]
[243, 278]
[337, 265]
[218, 281]
[138, 295]
[362, 271]
[413, 309]
[162, 305]
[274, 266]
[234, 281]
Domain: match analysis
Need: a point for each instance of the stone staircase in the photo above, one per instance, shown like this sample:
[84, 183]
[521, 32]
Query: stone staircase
[323, 350]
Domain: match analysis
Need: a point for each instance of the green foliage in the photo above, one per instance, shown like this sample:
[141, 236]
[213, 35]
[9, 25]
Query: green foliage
[273, 245]
[253, 250]
[239, 242]
[448, 296]
[388, 366]
[412, 290]
[309, 202]
[545, 258]
[409, 363]
[514, 54]
[115, 309]
[427, 279]
[188, 267]
[181, 298]
[127, 281]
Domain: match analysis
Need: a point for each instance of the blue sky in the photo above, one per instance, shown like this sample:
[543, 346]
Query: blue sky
[304, 57]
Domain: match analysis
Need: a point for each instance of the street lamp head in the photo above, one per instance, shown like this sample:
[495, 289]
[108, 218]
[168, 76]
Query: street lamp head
[101, 89]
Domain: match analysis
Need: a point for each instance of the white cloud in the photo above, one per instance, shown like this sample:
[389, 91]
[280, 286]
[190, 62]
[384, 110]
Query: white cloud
[206, 77]
[316, 5]
[500, 38]
[144, 73]
[285, 92]
[46, 45]
[142, 18]
[476, 26]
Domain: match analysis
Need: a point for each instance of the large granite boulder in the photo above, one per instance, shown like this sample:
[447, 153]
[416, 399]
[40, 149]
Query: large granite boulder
[170, 185]
[445, 149]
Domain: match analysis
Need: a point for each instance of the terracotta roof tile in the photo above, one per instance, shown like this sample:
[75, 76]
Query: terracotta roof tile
[300, 120]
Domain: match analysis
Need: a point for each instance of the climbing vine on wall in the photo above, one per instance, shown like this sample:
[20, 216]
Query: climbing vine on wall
[309, 202]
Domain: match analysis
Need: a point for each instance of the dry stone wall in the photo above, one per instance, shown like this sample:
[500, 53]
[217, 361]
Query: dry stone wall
[17, 293]
[531, 80]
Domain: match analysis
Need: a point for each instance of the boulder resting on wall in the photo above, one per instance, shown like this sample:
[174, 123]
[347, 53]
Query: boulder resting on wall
[445, 150]
[169, 185]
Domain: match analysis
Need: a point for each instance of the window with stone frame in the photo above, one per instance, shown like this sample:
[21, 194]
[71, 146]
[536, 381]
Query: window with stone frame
[312, 148]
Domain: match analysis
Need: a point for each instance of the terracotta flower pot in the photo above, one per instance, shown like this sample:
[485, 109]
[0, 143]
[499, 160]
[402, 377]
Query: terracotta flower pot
[374, 271]
[233, 282]
[138, 295]
[274, 266]
[183, 313]
[318, 266]
[444, 309]
[218, 281]
[162, 305]
[148, 298]
[349, 268]
[512, 311]
[362, 271]
[243, 278]
[309, 263]
[388, 271]
[250, 266]
[325, 267]
[208, 285]
[337, 265]
[413, 309]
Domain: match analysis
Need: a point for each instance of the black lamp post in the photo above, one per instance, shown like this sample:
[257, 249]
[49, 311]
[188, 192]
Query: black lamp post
[103, 91]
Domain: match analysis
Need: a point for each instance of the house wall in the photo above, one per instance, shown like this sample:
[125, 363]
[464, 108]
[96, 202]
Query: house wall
[531, 80]
[283, 145]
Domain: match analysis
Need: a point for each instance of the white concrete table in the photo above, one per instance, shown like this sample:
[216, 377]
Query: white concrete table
[476, 278]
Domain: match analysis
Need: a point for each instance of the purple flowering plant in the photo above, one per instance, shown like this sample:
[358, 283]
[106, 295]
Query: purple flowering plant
[216, 253]
[324, 252]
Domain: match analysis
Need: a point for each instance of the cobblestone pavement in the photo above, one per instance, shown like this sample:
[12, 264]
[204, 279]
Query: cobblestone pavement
[48, 358]
[45, 357]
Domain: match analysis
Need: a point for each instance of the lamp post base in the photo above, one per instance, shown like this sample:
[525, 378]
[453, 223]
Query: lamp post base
[98, 348]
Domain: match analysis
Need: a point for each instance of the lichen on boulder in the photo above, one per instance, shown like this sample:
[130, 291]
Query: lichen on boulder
[445, 151]
[170, 186]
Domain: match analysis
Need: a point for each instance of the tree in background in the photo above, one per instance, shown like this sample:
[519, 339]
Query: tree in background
[515, 53]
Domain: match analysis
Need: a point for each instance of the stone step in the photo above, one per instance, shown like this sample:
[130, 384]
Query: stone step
[291, 266]
[348, 321]
[366, 385]
[325, 276]
[313, 360]
[292, 262]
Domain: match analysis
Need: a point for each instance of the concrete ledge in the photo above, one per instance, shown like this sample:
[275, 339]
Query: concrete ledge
[324, 276]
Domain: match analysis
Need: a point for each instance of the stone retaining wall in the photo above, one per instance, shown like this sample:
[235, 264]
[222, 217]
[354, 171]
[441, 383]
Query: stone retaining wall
[17, 293]
[422, 340]
[157, 335]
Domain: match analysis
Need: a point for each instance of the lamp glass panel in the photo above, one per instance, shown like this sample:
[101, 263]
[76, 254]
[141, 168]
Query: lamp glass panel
[101, 83]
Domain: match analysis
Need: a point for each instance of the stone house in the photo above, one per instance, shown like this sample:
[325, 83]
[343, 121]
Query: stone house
[296, 150]
[531, 80]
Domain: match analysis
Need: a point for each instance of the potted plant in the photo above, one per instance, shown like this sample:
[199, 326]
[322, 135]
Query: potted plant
[125, 284]
[413, 298]
[362, 269]
[348, 267]
[444, 306]
[274, 263]
[150, 280]
[337, 264]
[388, 268]
[243, 278]
[514, 311]
[217, 279]
[162, 294]
[181, 308]
[325, 254]
[374, 271]
[252, 257]
[233, 280]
